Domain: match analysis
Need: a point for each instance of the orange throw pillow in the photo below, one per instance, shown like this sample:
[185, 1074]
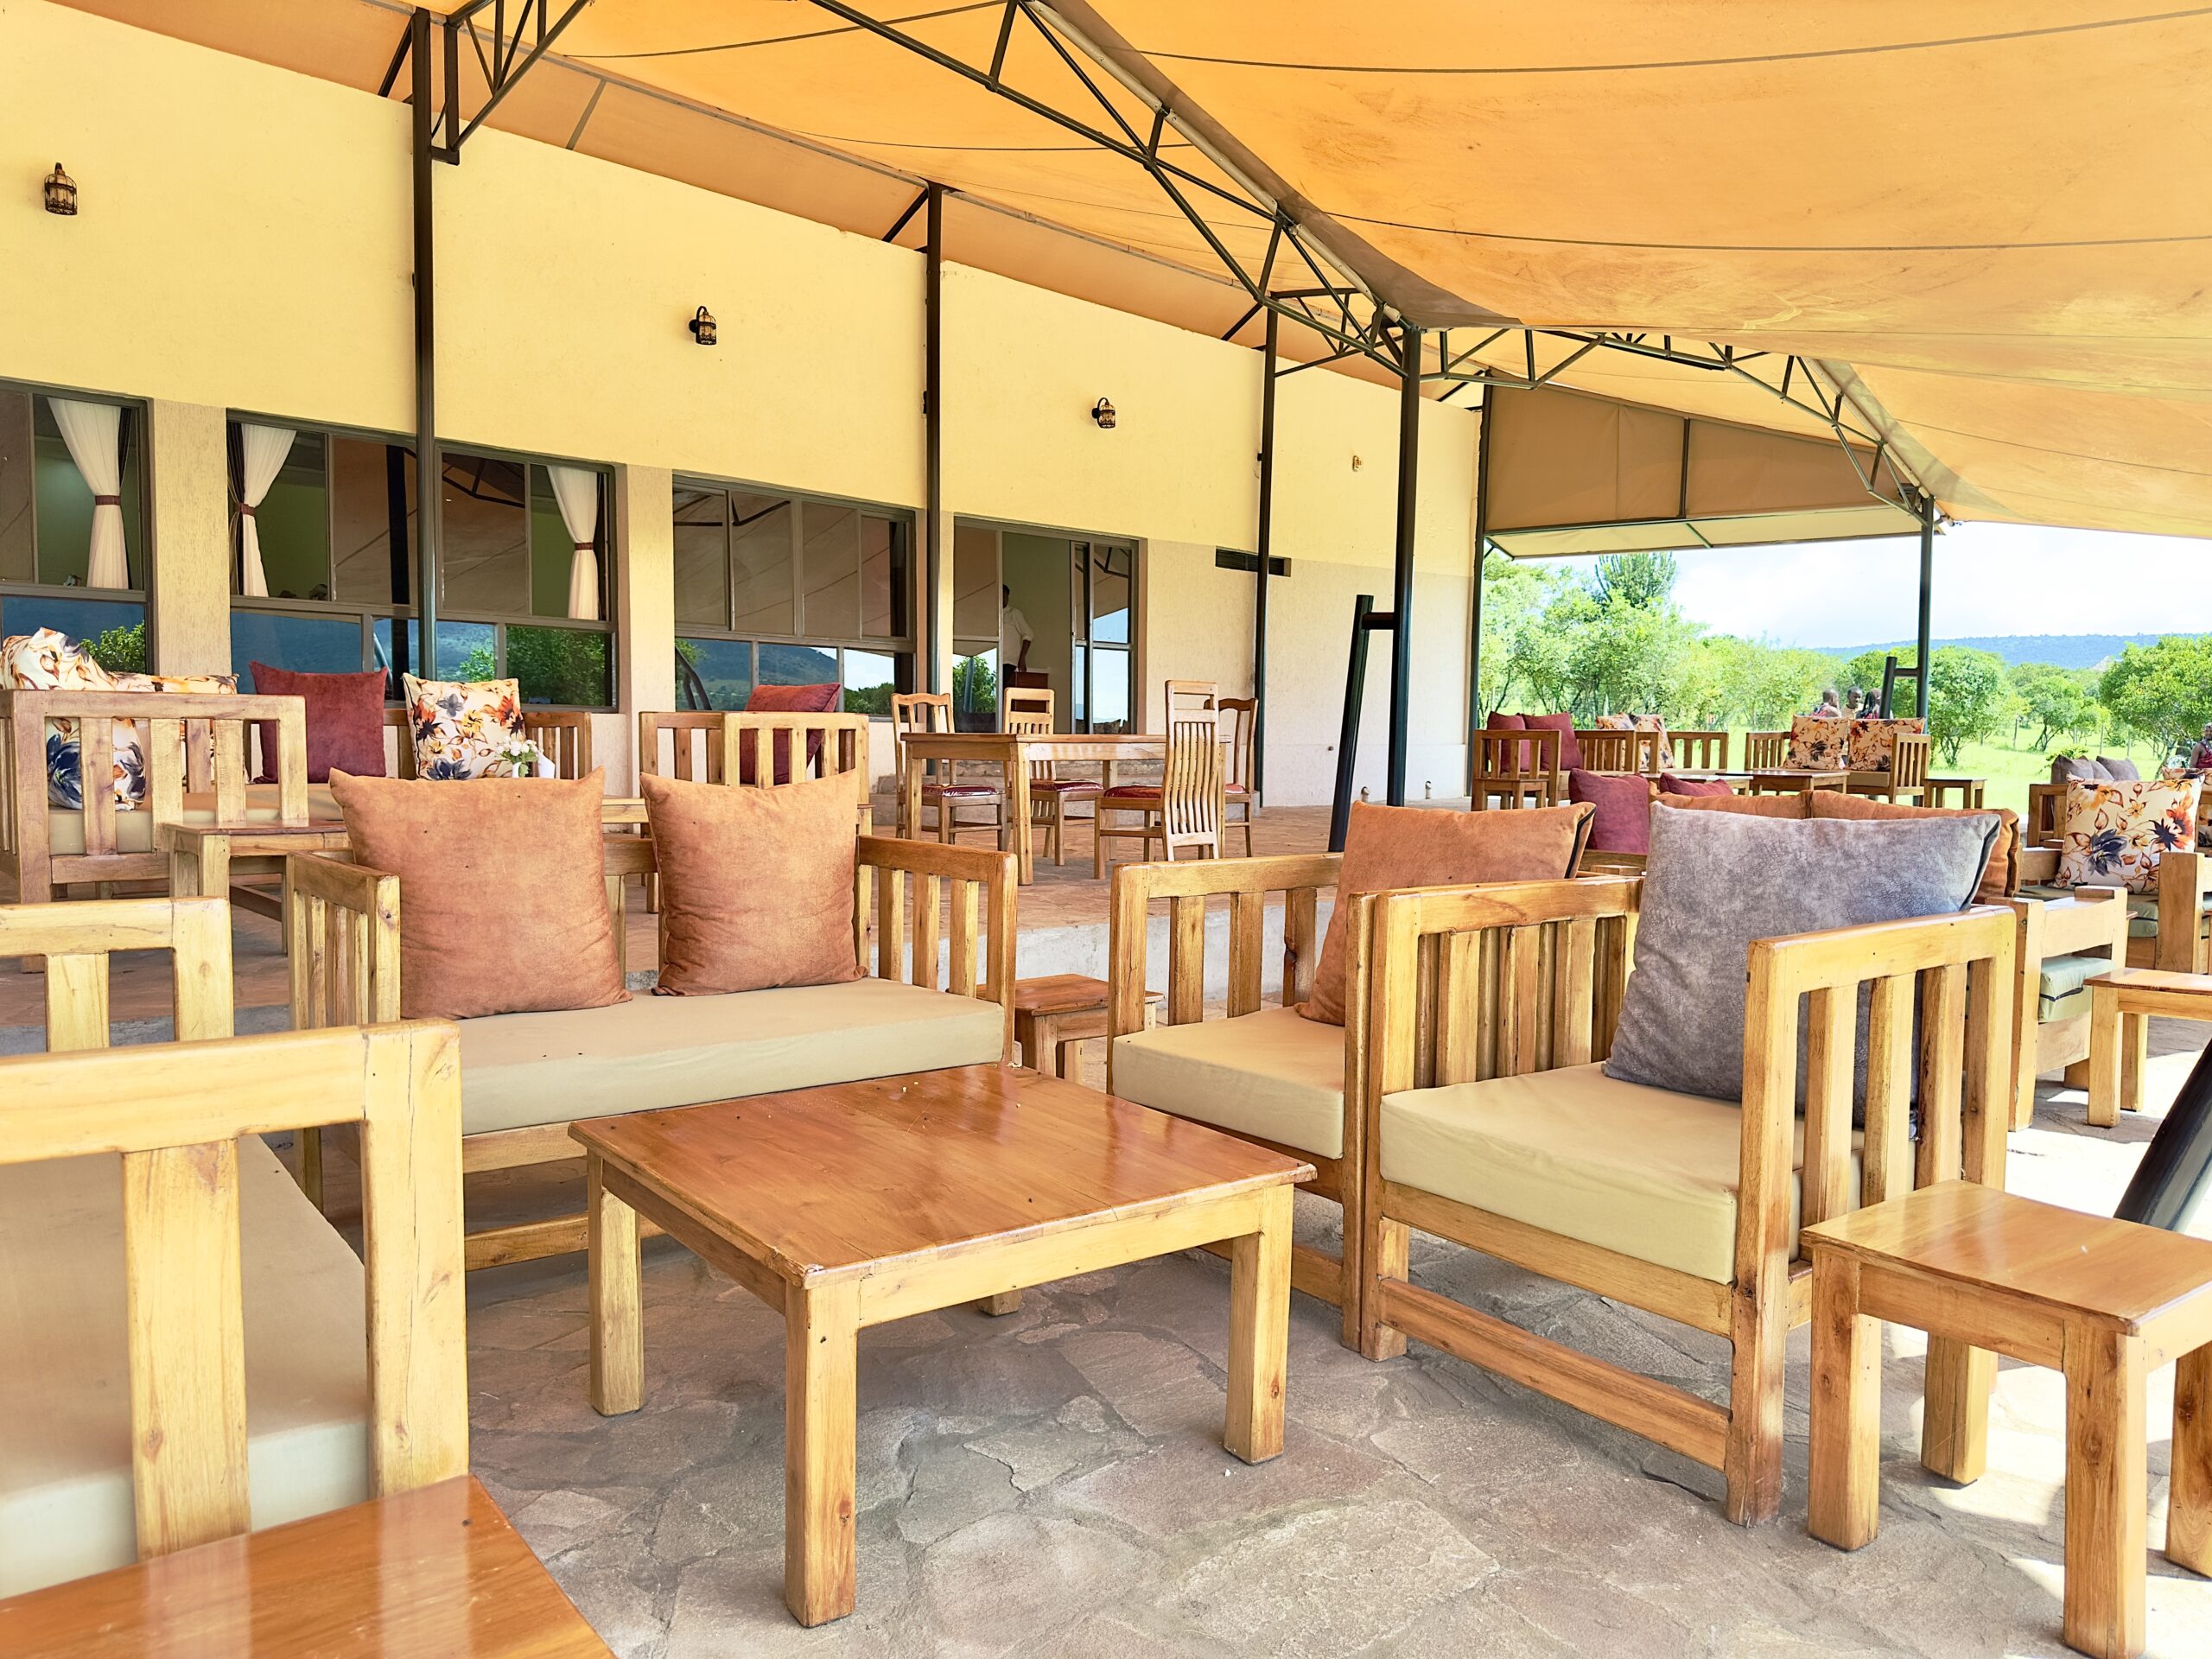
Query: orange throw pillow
[756, 885]
[1392, 847]
[1792, 806]
[2000, 877]
[502, 902]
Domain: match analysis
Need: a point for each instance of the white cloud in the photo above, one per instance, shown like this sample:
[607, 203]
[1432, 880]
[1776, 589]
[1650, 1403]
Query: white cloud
[1990, 579]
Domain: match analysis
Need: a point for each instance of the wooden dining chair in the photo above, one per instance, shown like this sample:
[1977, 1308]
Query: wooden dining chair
[1519, 768]
[1049, 792]
[1766, 751]
[1029, 700]
[1186, 810]
[932, 711]
[1906, 776]
[1241, 793]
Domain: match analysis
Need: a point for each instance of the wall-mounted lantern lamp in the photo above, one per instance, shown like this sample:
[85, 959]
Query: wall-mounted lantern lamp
[61, 192]
[703, 325]
[1103, 412]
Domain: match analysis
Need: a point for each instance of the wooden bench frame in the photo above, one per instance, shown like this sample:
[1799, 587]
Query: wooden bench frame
[563, 733]
[2094, 920]
[1247, 883]
[344, 970]
[2184, 888]
[174, 1112]
[181, 728]
[1522, 978]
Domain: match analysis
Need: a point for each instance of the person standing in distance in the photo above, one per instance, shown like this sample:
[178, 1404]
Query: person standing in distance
[1015, 633]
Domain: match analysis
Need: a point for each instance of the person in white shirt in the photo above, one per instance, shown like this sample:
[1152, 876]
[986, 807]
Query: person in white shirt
[1015, 633]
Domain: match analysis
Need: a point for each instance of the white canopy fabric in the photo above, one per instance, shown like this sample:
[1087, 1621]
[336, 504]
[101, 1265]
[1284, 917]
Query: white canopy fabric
[1988, 228]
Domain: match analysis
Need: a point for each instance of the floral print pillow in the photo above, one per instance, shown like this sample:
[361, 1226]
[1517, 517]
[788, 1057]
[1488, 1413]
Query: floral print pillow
[49, 661]
[1820, 743]
[468, 729]
[2116, 833]
[1873, 742]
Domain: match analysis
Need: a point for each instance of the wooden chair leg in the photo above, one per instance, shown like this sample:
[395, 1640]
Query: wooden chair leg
[2105, 1493]
[1752, 1458]
[2188, 1503]
[1954, 1417]
[1846, 1501]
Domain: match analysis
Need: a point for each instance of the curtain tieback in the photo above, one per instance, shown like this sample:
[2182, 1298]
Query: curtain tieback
[245, 510]
[587, 547]
[107, 500]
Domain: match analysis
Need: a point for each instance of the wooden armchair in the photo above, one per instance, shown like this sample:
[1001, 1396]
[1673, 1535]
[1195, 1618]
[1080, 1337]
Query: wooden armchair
[195, 749]
[1606, 749]
[344, 970]
[1489, 1010]
[1202, 1068]
[2062, 943]
[563, 733]
[1517, 769]
[2170, 927]
[1766, 751]
[1699, 751]
[1906, 776]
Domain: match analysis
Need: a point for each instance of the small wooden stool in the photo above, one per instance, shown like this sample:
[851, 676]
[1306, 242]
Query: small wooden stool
[2105, 1301]
[1053, 1013]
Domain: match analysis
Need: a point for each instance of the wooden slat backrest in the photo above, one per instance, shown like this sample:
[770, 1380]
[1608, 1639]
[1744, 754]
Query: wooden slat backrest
[1246, 883]
[1605, 750]
[694, 744]
[1520, 755]
[1020, 722]
[1188, 697]
[1240, 715]
[1191, 799]
[1908, 760]
[755, 744]
[78, 939]
[1027, 699]
[175, 1114]
[1699, 751]
[191, 743]
[1766, 751]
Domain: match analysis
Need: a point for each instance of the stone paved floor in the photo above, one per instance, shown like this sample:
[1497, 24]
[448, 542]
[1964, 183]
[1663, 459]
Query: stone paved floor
[1053, 1483]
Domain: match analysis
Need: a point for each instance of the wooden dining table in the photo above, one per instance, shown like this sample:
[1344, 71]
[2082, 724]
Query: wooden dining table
[1012, 753]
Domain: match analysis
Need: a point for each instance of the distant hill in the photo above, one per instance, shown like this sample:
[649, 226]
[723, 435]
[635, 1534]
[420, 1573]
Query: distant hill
[2060, 650]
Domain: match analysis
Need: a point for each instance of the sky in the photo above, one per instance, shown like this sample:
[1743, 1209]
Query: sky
[1990, 579]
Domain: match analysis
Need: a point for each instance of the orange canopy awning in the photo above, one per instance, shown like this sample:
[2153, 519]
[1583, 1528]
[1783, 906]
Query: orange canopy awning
[1988, 229]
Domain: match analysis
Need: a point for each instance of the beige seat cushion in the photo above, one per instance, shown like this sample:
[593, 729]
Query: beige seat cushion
[1644, 1172]
[134, 831]
[65, 1391]
[517, 1070]
[1273, 1074]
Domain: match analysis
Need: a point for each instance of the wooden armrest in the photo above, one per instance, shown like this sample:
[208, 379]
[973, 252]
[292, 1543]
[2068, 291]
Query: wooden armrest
[934, 858]
[1212, 878]
[337, 881]
[2037, 864]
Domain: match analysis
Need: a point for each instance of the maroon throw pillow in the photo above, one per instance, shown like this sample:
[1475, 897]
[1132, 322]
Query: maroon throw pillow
[1670, 785]
[1570, 745]
[788, 700]
[345, 720]
[1623, 823]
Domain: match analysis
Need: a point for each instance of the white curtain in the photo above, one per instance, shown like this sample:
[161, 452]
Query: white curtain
[262, 450]
[577, 491]
[94, 435]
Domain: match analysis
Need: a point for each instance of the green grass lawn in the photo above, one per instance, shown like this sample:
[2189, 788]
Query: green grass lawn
[2010, 766]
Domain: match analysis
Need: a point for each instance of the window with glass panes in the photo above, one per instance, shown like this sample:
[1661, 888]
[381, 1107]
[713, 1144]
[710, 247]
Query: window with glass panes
[775, 589]
[337, 533]
[47, 509]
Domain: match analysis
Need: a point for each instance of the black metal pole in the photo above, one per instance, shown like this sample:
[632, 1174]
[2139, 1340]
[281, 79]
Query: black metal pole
[933, 432]
[1475, 605]
[1348, 740]
[2175, 1172]
[1266, 544]
[1401, 609]
[1926, 602]
[427, 468]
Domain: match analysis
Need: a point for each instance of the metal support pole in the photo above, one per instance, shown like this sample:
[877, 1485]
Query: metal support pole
[427, 466]
[2171, 1182]
[933, 432]
[1475, 605]
[1401, 682]
[1266, 544]
[1926, 602]
[1362, 622]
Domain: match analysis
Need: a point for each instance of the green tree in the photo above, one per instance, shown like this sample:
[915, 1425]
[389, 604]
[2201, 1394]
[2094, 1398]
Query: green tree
[2057, 699]
[1524, 657]
[1865, 671]
[1967, 691]
[1766, 684]
[1640, 581]
[2162, 692]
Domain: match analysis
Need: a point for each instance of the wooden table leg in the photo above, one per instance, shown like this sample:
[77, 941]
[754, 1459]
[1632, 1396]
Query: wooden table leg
[1846, 1497]
[2189, 1502]
[1955, 1414]
[618, 1331]
[2104, 1056]
[1017, 796]
[1259, 1331]
[2105, 1492]
[910, 814]
[821, 1358]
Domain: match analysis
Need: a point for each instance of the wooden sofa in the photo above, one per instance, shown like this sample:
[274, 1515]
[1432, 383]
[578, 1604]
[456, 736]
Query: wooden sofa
[527, 1077]
[2169, 927]
[1489, 1122]
[198, 754]
[147, 1233]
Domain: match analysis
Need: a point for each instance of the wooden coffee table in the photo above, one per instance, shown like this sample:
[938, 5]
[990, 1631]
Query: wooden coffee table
[861, 1203]
[1797, 780]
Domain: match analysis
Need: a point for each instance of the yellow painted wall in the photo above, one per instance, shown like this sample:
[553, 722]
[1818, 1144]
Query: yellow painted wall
[244, 244]
[189, 506]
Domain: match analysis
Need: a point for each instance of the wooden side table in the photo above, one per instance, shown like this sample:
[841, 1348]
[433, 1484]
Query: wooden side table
[1796, 781]
[2105, 1301]
[2120, 1006]
[1054, 1013]
[1970, 791]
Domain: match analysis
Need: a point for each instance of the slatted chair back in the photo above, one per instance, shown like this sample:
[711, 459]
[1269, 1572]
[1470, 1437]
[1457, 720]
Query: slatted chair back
[1020, 722]
[1027, 701]
[1191, 697]
[197, 753]
[1520, 767]
[1908, 763]
[1239, 717]
[563, 733]
[1191, 806]
[1766, 751]
[1607, 750]
[921, 712]
[685, 744]
[175, 1114]
[1699, 751]
[2045, 825]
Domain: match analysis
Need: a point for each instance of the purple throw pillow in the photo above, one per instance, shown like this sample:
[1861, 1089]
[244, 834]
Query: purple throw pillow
[345, 720]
